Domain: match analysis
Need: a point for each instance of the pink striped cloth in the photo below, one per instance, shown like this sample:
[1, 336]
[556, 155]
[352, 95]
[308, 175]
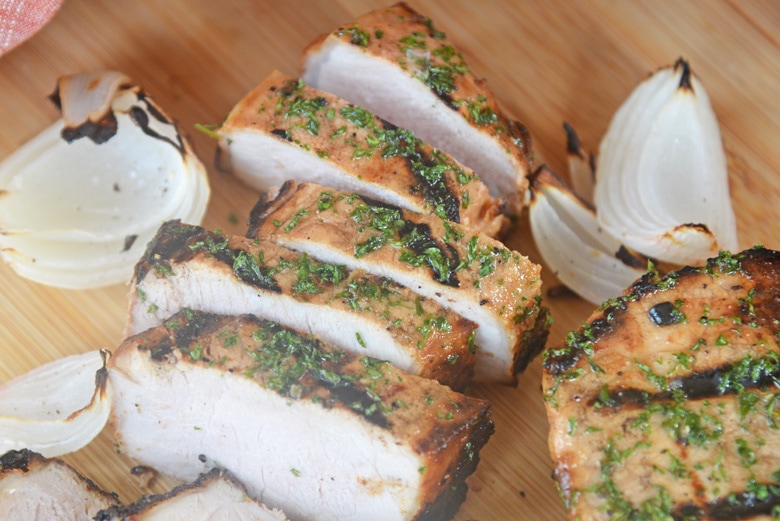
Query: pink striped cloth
[20, 19]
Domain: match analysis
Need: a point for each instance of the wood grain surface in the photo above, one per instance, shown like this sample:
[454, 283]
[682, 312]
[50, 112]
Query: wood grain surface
[547, 62]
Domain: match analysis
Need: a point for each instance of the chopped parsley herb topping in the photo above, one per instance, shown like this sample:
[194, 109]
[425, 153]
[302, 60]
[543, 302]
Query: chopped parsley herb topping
[357, 36]
[711, 407]
[296, 219]
[368, 136]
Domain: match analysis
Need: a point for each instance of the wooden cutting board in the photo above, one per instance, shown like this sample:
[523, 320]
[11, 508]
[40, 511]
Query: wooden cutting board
[547, 62]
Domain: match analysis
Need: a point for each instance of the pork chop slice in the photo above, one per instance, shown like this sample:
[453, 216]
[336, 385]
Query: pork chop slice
[215, 495]
[34, 488]
[189, 267]
[284, 129]
[471, 274]
[664, 404]
[395, 63]
[321, 433]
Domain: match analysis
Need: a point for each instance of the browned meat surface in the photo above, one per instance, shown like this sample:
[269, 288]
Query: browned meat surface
[315, 431]
[215, 496]
[190, 267]
[397, 64]
[664, 405]
[284, 130]
[34, 488]
[468, 272]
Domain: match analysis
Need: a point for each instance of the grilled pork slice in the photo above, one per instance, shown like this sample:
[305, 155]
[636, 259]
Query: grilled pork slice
[396, 64]
[214, 496]
[664, 405]
[318, 432]
[284, 129]
[189, 267]
[473, 275]
[34, 488]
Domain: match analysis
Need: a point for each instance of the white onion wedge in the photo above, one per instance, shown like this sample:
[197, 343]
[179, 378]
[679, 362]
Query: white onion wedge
[587, 260]
[58, 407]
[78, 196]
[662, 180]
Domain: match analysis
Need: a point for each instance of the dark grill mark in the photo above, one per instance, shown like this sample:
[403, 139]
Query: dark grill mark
[685, 79]
[248, 270]
[716, 382]
[419, 239]
[562, 360]
[420, 236]
[289, 88]
[664, 314]
[282, 133]
[170, 240]
[153, 110]
[436, 192]
[266, 204]
[55, 97]
[359, 400]
[160, 350]
[129, 241]
[141, 118]
[616, 309]
[146, 503]
[629, 259]
[520, 135]
[192, 327]
[176, 243]
[740, 505]
[573, 143]
[744, 505]
[98, 131]
[696, 386]
[17, 460]
[386, 124]
[445, 97]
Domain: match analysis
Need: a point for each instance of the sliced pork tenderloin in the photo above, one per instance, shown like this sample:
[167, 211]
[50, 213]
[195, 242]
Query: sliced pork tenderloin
[664, 405]
[321, 433]
[214, 496]
[463, 270]
[396, 64]
[284, 130]
[34, 488]
[189, 267]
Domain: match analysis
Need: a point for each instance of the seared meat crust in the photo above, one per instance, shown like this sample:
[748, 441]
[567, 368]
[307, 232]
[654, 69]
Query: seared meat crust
[284, 129]
[396, 63]
[189, 267]
[665, 402]
[34, 488]
[323, 433]
[474, 275]
[215, 496]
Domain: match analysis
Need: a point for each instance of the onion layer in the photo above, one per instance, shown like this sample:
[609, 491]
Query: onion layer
[662, 180]
[58, 407]
[81, 200]
[589, 261]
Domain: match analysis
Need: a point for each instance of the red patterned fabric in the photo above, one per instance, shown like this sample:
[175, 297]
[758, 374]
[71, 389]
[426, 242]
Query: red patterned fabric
[20, 19]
